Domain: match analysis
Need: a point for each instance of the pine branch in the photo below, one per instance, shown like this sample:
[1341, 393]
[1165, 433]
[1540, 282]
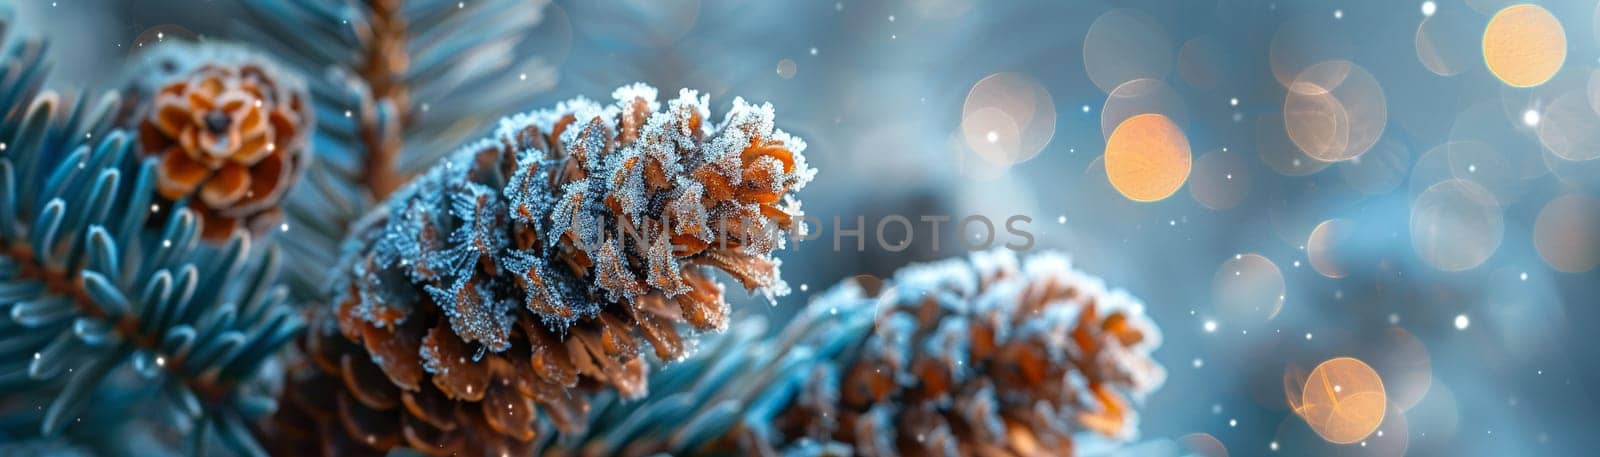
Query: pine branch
[90, 283]
[491, 285]
[88, 289]
[979, 356]
[399, 84]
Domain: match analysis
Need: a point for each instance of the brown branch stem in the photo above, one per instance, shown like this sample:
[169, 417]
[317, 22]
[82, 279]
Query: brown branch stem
[383, 65]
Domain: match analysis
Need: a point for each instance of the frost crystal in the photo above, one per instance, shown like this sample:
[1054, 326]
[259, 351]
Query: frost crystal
[988, 355]
[540, 258]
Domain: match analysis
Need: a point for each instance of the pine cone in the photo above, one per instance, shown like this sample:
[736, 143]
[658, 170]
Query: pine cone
[230, 130]
[494, 285]
[980, 356]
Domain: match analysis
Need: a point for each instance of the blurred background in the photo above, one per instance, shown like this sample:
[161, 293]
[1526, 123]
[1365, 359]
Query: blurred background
[1408, 183]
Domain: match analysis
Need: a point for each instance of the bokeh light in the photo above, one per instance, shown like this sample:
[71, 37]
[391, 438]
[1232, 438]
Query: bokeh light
[1147, 157]
[1302, 42]
[1335, 111]
[159, 34]
[1141, 96]
[1456, 225]
[1524, 45]
[1220, 179]
[1200, 62]
[1495, 123]
[1325, 243]
[1439, 42]
[1403, 363]
[1008, 118]
[787, 68]
[1435, 420]
[656, 24]
[1391, 439]
[1593, 86]
[1475, 195]
[1124, 45]
[1203, 445]
[1473, 161]
[1343, 400]
[968, 161]
[1570, 128]
[1279, 152]
[1567, 233]
[1248, 289]
[1526, 311]
[1380, 170]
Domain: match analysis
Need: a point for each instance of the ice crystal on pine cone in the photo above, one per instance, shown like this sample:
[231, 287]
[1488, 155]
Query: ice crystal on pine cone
[398, 85]
[982, 356]
[499, 280]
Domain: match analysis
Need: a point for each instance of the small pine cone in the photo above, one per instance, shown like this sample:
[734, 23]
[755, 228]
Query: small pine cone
[496, 285]
[979, 356]
[230, 129]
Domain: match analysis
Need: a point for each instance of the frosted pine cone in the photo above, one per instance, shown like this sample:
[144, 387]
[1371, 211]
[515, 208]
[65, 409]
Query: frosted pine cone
[495, 284]
[230, 130]
[979, 356]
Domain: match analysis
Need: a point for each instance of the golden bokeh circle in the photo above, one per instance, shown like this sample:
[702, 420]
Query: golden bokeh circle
[1343, 400]
[1147, 157]
[1565, 233]
[1524, 45]
[1294, 438]
[1335, 111]
[1248, 288]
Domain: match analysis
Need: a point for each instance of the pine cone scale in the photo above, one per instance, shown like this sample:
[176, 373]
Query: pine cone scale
[229, 129]
[991, 355]
[367, 384]
[495, 282]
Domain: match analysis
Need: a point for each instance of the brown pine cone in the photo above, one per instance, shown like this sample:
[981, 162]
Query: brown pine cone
[230, 128]
[981, 356]
[489, 298]
[985, 357]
